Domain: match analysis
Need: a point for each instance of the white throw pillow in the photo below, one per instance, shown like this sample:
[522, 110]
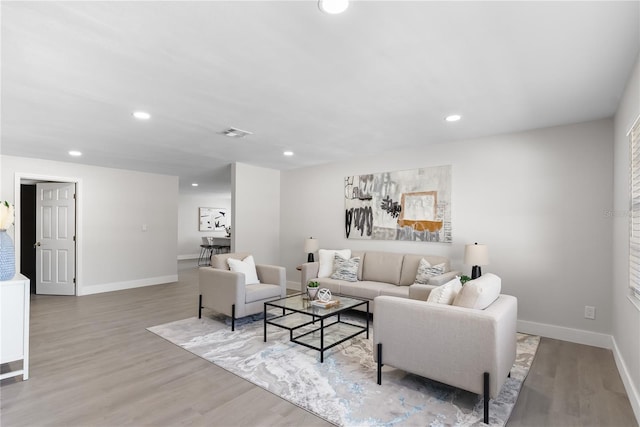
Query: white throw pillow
[246, 266]
[425, 271]
[327, 257]
[446, 293]
[479, 293]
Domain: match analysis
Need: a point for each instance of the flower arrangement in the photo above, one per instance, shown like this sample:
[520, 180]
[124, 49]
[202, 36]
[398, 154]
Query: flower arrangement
[6, 215]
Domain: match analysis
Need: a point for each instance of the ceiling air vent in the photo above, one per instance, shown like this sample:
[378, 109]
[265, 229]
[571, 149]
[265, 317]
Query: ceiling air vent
[236, 133]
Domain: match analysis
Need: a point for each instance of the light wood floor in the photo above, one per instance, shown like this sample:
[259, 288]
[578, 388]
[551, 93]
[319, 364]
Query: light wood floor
[94, 364]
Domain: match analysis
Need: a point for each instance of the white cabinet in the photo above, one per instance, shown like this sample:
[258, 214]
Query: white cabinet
[14, 324]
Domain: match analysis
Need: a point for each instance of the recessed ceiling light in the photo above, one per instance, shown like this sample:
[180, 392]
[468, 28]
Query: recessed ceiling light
[141, 115]
[333, 6]
[453, 118]
[75, 153]
[288, 153]
[236, 133]
[195, 184]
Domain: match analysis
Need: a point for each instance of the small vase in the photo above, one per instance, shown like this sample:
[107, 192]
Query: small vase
[7, 256]
[312, 293]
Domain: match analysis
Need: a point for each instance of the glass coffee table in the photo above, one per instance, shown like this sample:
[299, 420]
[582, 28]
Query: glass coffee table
[326, 328]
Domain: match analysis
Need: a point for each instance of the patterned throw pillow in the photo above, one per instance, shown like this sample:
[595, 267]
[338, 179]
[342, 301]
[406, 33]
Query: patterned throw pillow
[425, 270]
[326, 260]
[345, 269]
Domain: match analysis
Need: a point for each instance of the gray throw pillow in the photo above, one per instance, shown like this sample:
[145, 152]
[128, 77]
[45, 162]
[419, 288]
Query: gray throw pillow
[345, 269]
[425, 270]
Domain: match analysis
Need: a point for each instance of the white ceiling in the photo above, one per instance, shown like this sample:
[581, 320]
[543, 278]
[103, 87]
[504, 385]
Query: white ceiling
[381, 76]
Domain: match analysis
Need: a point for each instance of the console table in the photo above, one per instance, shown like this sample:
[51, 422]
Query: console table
[14, 321]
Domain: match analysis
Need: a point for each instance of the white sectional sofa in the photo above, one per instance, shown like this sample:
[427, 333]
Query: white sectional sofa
[382, 273]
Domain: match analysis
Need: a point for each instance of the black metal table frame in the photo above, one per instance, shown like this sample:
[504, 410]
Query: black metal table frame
[314, 318]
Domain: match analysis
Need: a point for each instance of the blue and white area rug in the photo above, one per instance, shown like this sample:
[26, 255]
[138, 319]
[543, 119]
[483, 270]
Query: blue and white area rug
[343, 389]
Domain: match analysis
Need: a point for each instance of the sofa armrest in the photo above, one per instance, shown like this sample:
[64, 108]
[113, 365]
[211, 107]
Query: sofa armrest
[220, 289]
[273, 275]
[419, 291]
[450, 344]
[309, 271]
[443, 278]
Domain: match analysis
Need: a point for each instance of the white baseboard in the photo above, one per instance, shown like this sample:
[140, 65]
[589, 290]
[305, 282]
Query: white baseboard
[130, 284]
[632, 391]
[579, 336]
[188, 256]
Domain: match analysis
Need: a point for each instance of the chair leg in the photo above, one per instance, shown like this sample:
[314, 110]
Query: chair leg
[233, 317]
[200, 306]
[379, 363]
[486, 397]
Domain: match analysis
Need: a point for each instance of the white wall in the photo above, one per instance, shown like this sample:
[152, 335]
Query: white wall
[255, 212]
[537, 199]
[113, 251]
[626, 315]
[189, 236]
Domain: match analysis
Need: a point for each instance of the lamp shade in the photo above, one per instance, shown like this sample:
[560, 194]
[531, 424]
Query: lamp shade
[476, 254]
[311, 245]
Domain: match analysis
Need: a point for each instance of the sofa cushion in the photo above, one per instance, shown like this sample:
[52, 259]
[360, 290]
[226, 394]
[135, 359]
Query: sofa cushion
[326, 260]
[419, 291]
[395, 291]
[479, 293]
[260, 291]
[364, 290]
[382, 267]
[446, 293]
[246, 266]
[345, 269]
[332, 284]
[409, 269]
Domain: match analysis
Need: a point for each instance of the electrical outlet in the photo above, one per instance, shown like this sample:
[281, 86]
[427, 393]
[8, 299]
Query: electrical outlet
[589, 312]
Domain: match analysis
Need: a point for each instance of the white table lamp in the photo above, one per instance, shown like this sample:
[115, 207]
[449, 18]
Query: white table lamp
[310, 246]
[476, 255]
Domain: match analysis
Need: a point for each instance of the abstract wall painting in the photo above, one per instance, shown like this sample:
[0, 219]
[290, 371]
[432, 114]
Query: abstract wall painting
[410, 205]
[213, 219]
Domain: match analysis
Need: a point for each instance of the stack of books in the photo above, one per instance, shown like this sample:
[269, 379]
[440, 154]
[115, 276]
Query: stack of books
[327, 304]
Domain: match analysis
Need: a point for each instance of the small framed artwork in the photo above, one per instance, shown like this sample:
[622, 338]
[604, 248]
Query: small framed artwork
[213, 219]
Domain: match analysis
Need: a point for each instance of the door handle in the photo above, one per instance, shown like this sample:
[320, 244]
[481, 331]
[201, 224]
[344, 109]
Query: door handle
[36, 244]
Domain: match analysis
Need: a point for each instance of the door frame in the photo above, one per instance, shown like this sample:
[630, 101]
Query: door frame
[19, 177]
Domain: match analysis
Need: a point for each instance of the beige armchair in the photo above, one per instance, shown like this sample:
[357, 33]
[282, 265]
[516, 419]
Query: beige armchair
[467, 348]
[225, 292]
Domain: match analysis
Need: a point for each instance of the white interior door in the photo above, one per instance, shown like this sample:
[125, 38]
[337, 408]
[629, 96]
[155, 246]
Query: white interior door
[55, 238]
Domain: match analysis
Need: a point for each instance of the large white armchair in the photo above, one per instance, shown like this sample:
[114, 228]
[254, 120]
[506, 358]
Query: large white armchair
[225, 291]
[467, 348]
